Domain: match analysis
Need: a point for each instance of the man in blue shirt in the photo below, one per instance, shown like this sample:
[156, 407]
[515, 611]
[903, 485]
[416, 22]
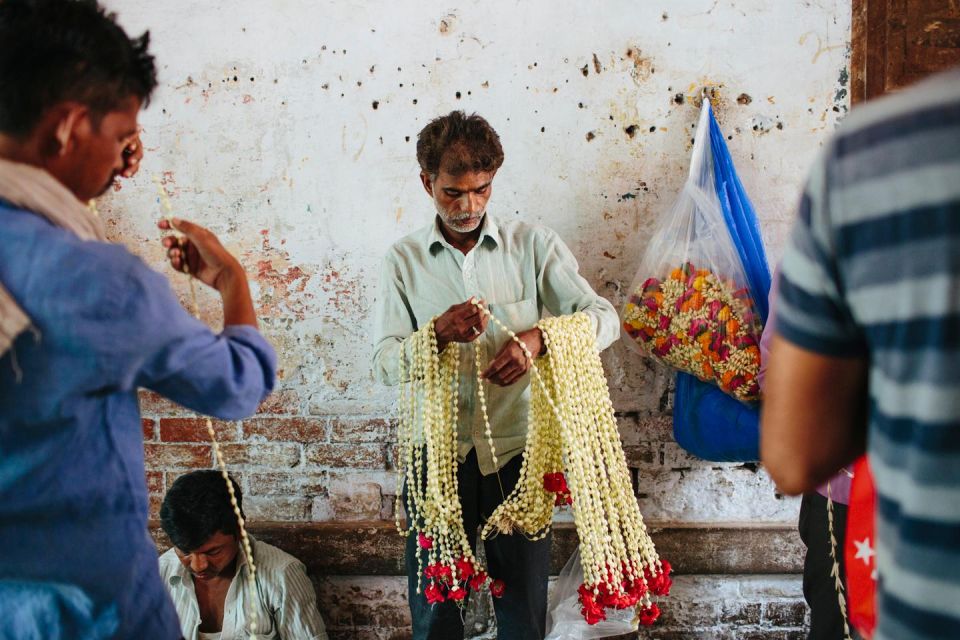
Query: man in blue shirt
[867, 354]
[83, 324]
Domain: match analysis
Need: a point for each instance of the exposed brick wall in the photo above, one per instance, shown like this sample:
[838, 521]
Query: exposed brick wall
[316, 468]
[290, 467]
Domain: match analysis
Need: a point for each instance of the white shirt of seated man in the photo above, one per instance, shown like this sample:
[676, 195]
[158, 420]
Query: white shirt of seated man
[209, 591]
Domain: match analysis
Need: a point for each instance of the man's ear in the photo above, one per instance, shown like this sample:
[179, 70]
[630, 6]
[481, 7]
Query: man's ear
[68, 120]
[427, 183]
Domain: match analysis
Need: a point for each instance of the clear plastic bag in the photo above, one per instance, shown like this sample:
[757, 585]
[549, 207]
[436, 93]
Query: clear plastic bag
[564, 620]
[690, 305]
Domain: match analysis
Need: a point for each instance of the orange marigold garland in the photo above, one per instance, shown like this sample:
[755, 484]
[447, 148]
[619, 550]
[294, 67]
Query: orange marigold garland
[700, 323]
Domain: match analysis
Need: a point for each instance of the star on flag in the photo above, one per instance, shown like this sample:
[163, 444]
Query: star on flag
[865, 552]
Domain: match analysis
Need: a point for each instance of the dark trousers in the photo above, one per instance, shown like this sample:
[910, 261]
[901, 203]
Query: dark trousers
[523, 565]
[826, 621]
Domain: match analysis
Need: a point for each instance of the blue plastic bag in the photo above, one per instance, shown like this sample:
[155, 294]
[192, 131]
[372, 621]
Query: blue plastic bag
[707, 422]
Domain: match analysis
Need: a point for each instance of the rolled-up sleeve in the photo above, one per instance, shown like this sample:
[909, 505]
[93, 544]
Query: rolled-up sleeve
[393, 323]
[564, 291]
[148, 339]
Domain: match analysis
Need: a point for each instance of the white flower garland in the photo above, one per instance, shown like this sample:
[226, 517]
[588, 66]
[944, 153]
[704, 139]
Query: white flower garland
[572, 436]
[835, 569]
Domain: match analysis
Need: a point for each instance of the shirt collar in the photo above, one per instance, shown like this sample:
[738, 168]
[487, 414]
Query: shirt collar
[489, 232]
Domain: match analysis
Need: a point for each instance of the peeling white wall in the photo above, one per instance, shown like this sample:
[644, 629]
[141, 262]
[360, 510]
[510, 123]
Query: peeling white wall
[289, 128]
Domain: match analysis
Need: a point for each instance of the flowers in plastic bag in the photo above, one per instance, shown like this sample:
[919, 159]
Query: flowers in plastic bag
[699, 323]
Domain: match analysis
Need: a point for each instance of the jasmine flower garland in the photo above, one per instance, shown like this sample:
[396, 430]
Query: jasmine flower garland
[573, 456]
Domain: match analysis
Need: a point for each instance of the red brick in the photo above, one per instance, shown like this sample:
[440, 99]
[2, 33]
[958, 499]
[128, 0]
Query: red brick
[281, 402]
[393, 460]
[195, 430]
[148, 429]
[261, 455]
[302, 484]
[155, 500]
[361, 456]
[287, 429]
[363, 430]
[155, 481]
[177, 456]
[154, 404]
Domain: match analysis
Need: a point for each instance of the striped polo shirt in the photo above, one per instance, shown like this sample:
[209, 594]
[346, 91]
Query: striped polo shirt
[872, 270]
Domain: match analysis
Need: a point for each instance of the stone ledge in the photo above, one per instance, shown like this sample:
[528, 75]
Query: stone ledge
[375, 549]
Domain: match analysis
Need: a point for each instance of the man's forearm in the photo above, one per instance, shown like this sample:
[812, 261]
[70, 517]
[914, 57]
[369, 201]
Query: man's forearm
[813, 420]
[237, 302]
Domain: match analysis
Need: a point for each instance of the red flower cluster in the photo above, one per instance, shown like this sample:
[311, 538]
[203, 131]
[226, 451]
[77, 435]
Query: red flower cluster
[441, 587]
[628, 594]
[660, 584]
[557, 483]
[649, 615]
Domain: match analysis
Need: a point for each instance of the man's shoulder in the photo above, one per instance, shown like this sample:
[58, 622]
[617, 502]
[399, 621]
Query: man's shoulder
[58, 261]
[416, 240]
[273, 559]
[518, 232]
[931, 104]
[169, 564]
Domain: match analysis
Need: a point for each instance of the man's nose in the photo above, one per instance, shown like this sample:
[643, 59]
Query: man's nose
[474, 203]
[198, 563]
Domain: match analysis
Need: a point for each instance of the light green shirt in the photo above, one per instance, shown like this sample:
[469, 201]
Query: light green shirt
[520, 270]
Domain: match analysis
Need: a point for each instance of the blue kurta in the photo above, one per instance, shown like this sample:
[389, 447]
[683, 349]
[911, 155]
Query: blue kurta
[73, 497]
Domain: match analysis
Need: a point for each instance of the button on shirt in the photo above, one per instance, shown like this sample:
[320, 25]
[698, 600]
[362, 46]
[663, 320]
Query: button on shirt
[519, 270]
[73, 496]
[286, 602]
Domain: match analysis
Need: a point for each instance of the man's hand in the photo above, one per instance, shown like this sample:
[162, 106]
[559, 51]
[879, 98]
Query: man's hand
[460, 323]
[511, 363]
[200, 254]
[132, 154]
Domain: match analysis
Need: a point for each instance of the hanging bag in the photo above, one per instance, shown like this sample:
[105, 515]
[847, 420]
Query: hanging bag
[707, 422]
[691, 305]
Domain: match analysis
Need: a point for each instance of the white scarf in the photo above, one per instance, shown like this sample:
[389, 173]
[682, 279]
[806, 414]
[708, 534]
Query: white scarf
[33, 189]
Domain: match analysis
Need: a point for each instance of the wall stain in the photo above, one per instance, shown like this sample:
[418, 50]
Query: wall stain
[281, 285]
[642, 67]
[447, 24]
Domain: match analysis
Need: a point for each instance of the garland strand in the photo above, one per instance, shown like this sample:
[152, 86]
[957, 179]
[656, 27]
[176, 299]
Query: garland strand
[835, 569]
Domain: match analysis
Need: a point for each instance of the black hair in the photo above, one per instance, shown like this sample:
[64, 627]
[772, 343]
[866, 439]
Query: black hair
[460, 143]
[196, 507]
[52, 51]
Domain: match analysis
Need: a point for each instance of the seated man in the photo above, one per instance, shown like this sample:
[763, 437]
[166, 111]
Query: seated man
[205, 572]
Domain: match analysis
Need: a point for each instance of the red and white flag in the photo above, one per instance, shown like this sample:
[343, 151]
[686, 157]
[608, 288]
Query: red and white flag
[860, 550]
